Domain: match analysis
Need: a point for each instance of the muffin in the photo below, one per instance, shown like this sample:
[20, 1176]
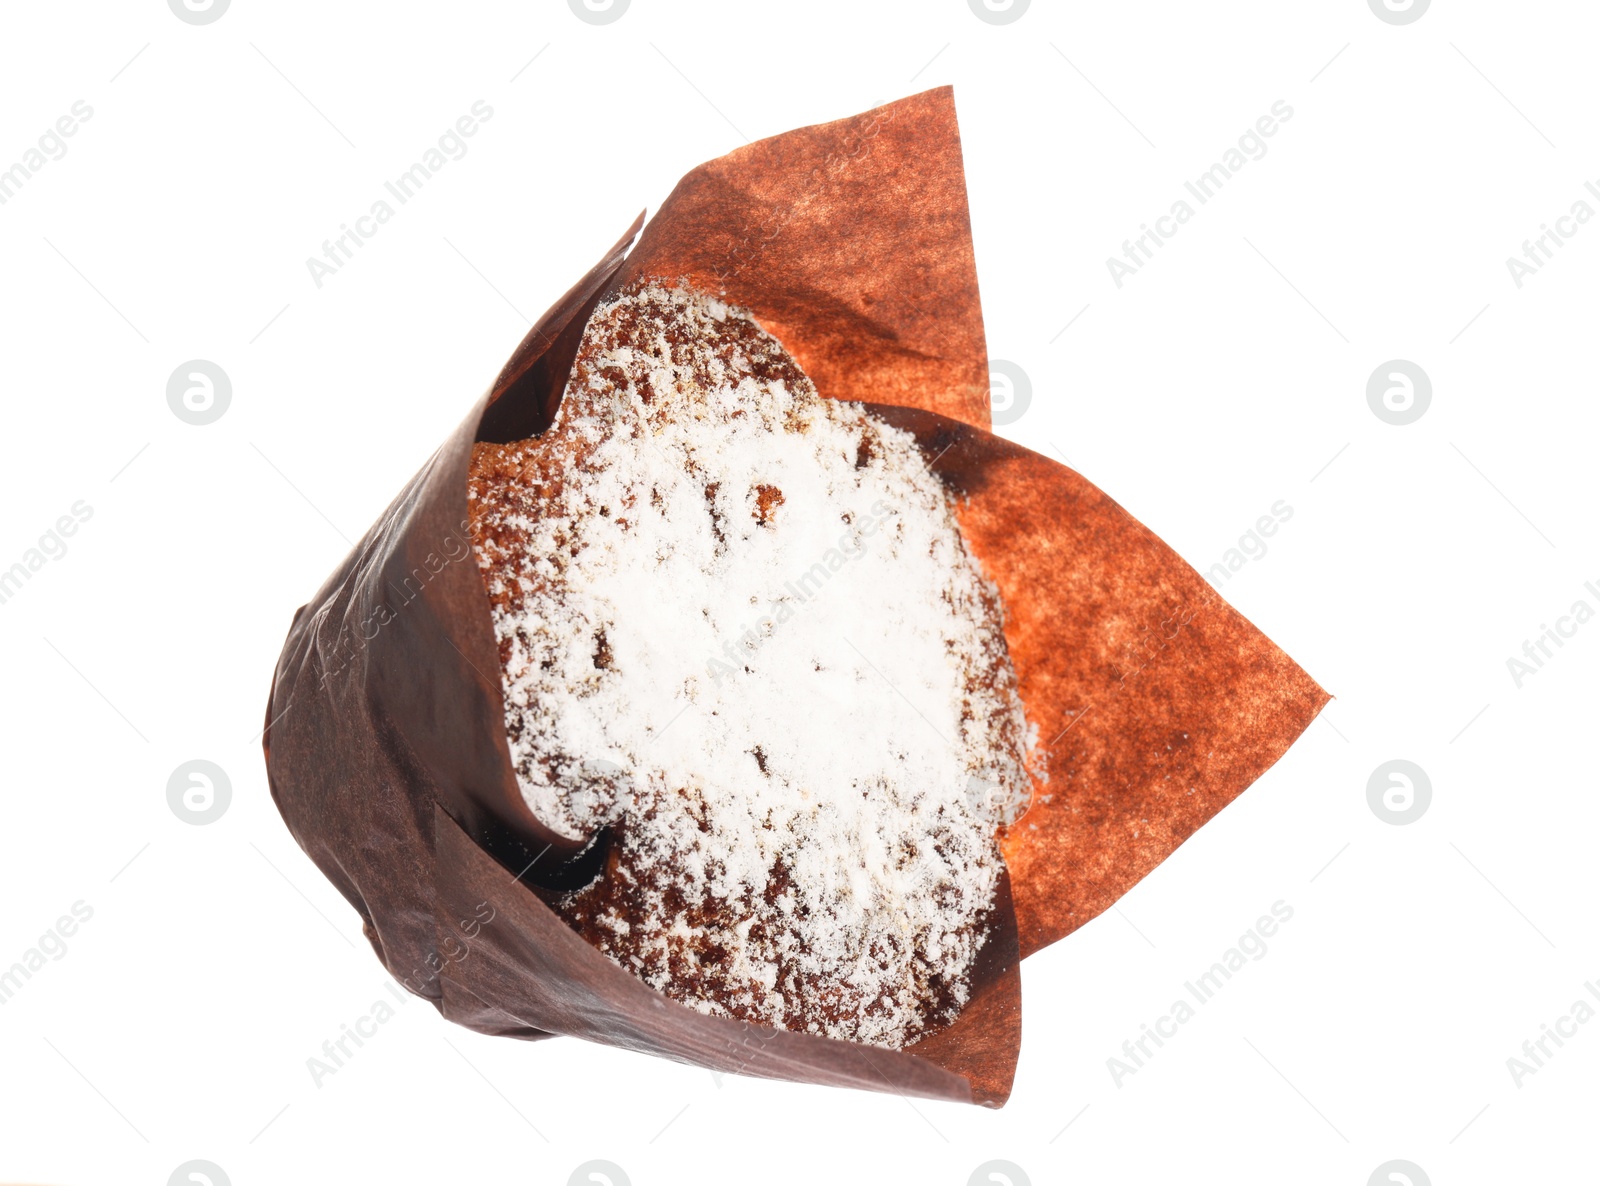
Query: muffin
[751, 668]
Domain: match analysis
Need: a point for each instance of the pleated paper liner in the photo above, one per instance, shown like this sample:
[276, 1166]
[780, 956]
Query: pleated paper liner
[1157, 703]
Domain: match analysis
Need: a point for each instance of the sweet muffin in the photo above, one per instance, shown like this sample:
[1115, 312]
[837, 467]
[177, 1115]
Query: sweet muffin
[750, 664]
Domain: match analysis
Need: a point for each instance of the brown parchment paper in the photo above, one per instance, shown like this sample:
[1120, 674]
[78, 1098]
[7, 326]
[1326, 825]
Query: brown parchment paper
[1157, 703]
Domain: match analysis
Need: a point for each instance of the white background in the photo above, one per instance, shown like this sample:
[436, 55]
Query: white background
[1228, 374]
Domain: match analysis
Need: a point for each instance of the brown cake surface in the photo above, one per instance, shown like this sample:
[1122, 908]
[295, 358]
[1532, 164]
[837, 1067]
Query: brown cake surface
[744, 645]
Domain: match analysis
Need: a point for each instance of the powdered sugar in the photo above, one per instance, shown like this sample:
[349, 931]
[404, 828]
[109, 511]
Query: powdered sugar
[739, 628]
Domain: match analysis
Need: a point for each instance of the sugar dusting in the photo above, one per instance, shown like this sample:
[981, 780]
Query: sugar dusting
[739, 628]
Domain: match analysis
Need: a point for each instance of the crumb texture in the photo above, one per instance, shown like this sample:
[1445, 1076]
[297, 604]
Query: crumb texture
[743, 643]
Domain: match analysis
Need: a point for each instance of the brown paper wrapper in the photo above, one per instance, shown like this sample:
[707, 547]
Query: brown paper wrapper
[1156, 702]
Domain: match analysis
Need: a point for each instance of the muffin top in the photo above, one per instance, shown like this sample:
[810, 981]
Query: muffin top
[744, 645]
